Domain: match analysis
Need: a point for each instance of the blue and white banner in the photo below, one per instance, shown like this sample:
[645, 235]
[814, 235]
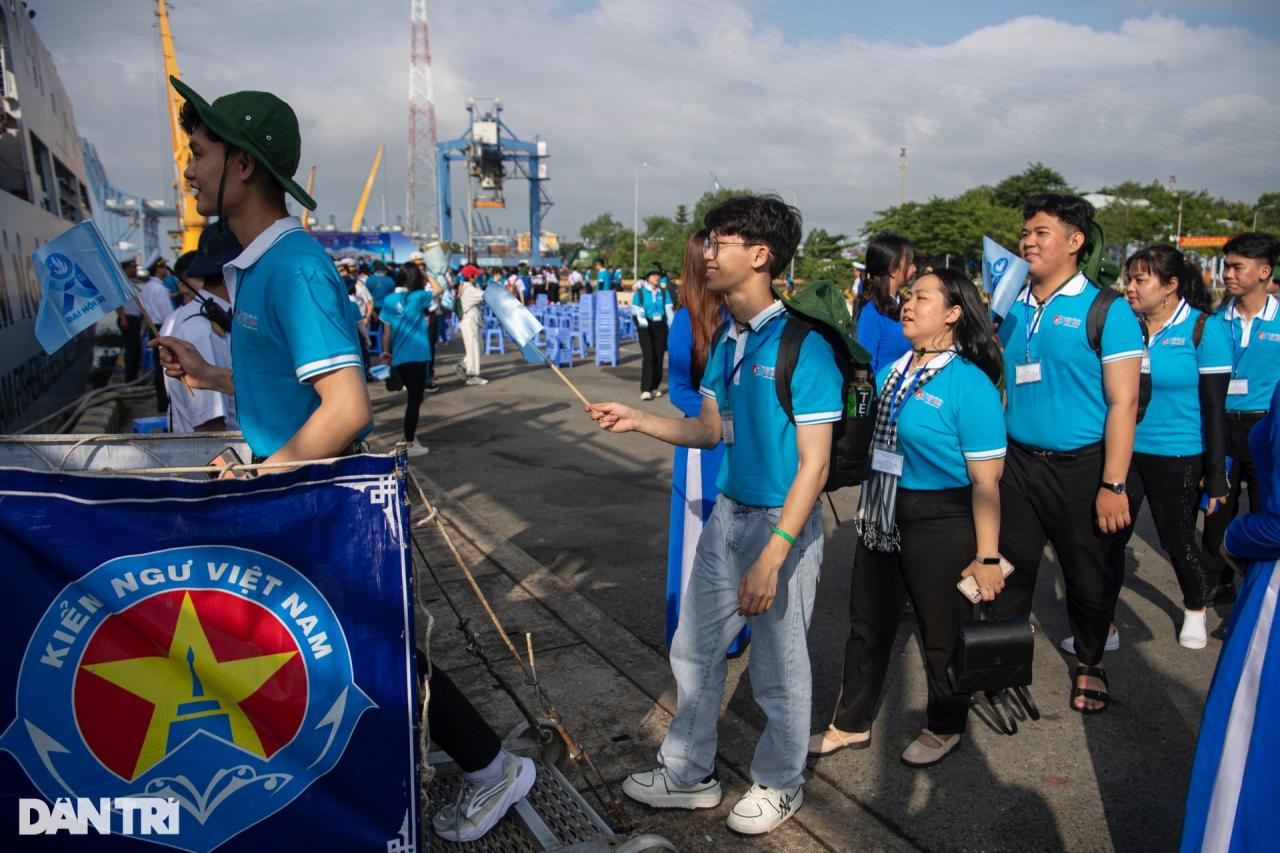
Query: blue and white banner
[224, 664]
[80, 283]
[1003, 274]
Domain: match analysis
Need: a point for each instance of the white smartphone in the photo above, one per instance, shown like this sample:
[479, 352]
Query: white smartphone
[968, 586]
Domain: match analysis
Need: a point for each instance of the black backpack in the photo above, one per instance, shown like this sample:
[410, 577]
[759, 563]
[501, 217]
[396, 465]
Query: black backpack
[819, 307]
[1097, 318]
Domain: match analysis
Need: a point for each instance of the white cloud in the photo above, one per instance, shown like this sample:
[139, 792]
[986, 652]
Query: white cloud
[693, 88]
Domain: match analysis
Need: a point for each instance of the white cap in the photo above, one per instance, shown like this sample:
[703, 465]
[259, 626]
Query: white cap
[416, 256]
[346, 262]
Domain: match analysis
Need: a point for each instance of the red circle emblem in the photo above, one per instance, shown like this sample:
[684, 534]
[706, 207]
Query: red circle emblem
[185, 661]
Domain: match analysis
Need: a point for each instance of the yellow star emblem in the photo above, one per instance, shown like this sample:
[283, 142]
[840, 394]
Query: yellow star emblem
[167, 683]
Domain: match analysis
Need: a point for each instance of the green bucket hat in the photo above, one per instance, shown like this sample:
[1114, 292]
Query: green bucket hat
[261, 124]
[653, 269]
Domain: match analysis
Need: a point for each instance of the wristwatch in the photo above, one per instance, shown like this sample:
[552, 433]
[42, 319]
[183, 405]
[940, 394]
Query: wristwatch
[1118, 488]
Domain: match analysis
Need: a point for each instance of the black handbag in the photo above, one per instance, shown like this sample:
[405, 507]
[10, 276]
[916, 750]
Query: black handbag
[993, 658]
[394, 381]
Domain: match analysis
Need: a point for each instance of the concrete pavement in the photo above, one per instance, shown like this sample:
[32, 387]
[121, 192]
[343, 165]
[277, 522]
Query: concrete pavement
[566, 529]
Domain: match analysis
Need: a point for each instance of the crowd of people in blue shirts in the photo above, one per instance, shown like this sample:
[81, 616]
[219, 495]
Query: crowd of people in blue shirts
[1052, 425]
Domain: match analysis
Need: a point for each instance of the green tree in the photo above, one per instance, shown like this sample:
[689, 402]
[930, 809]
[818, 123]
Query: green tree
[682, 214]
[601, 233]
[1014, 190]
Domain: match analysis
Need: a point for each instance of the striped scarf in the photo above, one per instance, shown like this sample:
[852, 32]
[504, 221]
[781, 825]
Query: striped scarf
[876, 521]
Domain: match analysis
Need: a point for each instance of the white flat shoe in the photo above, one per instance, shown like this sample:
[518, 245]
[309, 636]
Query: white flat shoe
[921, 754]
[1195, 630]
[833, 740]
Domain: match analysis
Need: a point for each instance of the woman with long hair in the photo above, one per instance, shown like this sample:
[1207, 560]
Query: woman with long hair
[929, 516]
[694, 472]
[406, 344]
[890, 266]
[1181, 443]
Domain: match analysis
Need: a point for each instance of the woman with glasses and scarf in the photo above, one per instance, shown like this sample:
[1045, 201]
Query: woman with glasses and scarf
[930, 513]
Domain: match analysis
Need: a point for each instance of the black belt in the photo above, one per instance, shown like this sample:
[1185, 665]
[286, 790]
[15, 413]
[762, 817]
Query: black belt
[1246, 416]
[1057, 455]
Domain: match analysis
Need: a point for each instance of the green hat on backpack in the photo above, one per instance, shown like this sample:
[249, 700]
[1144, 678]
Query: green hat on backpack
[259, 123]
[1096, 265]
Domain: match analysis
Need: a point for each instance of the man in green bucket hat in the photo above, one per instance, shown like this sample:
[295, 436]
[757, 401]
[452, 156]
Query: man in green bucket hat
[298, 369]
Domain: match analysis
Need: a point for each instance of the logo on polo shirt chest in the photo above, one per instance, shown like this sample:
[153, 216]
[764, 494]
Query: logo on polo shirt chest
[1173, 342]
[1269, 336]
[246, 320]
[928, 399]
[764, 371]
[1069, 322]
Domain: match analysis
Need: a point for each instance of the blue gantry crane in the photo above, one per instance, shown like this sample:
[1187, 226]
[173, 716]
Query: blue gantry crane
[487, 147]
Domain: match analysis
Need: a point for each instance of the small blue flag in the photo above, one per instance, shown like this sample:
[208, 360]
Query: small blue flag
[518, 321]
[80, 282]
[1003, 274]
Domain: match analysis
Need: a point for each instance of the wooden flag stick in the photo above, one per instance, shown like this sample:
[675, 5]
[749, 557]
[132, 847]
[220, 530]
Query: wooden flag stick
[155, 333]
[565, 379]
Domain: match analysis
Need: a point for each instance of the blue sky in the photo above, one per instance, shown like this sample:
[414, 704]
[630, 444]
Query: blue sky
[811, 99]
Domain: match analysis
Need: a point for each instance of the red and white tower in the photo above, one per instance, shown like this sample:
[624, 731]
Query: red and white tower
[421, 218]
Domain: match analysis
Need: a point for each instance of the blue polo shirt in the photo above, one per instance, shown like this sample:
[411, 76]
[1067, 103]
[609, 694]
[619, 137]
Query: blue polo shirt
[881, 336]
[292, 325]
[617, 278]
[762, 461]
[954, 419]
[1067, 408]
[603, 281]
[1255, 353]
[652, 303]
[1172, 425]
[407, 319]
[380, 287]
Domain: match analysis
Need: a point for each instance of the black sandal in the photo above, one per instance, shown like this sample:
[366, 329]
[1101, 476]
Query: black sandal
[1095, 695]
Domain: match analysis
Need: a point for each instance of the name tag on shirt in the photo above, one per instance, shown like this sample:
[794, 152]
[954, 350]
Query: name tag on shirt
[726, 426]
[1026, 373]
[1146, 364]
[886, 461]
[1238, 386]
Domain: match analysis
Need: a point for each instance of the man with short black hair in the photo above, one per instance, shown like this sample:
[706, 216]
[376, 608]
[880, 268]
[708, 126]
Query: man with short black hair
[760, 552]
[1071, 416]
[299, 375]
[1251, 319]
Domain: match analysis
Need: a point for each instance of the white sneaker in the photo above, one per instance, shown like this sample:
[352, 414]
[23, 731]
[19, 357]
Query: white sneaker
[417, 448]
[657, 392]
[1195, 630]
[477, 380]
[646, 395]
[461, 371]
[764, 809]
[1113, 642]
[654, 788]
[480, 805]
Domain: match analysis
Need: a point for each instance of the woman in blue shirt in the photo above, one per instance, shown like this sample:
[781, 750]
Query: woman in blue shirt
[890, 266]
[651, 303]
[406, 344]
[1180, 444]
[930, 513]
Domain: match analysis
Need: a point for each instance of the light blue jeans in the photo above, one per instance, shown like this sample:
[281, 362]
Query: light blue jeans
[781, 682]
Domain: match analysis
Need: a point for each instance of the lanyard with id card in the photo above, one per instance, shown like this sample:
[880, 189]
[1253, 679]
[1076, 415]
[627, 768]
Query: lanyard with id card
[726, 411]
[883, 459]
[1239, 385]
[1028, 371]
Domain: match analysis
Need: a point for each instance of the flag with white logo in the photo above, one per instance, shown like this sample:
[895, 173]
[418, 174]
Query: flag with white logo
[1003, 274]
[80, 282]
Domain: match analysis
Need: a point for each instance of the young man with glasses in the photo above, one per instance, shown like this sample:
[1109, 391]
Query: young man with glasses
[759, 554]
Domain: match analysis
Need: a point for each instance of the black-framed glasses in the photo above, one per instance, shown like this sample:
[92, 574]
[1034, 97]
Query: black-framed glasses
[711, 245]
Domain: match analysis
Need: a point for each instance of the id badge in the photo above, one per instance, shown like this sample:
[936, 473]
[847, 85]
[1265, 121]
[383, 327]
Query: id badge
[1146, 365]
[1238, 386]
[726, 426]
[1026, 373]
[886, 461]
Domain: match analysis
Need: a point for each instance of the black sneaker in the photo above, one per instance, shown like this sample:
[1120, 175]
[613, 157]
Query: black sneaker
[432, 388]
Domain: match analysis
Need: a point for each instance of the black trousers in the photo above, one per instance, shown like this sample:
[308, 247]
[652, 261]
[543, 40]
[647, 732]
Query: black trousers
[457, 727]
[131, 329]
[414, 376]
[1171, 486]
[1050, 497]
[938, 542]
[433, 335]
[1244, 474]
[653, 352]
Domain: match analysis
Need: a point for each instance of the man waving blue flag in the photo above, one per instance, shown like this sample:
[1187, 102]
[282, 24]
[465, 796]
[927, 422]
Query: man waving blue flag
[80, 282]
